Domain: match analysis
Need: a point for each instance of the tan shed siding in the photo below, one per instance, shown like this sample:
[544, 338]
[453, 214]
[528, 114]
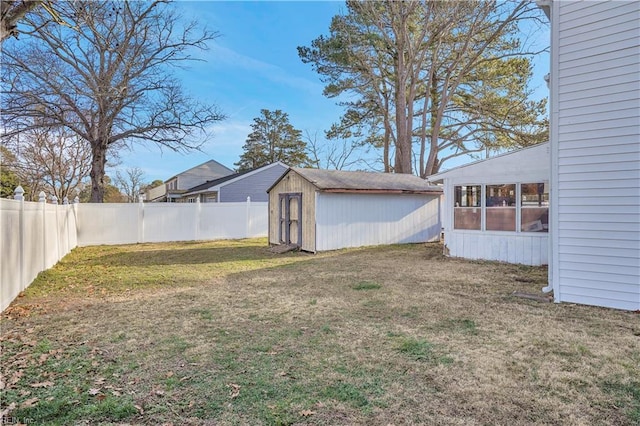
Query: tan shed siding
[598, 156]
[292, 182]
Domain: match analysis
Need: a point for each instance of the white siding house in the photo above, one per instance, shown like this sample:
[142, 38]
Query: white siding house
[498, 208]
[595, 152]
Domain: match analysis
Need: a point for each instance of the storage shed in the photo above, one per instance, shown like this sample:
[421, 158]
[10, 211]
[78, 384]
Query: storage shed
[321, 210]
[498, 208]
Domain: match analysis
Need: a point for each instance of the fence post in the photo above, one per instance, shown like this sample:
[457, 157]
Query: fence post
[198, 217]
[140, 220]
[248, 217]
[18, 194]
[42, 199]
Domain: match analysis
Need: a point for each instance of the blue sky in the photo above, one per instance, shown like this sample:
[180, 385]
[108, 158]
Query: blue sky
[254, 64]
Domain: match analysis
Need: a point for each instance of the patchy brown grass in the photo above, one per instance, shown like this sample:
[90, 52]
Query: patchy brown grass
[228, 333]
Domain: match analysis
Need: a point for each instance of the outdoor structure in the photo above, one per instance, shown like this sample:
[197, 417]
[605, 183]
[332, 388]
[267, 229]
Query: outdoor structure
[176, 186]
[321, 210]
[498, 208]
[238, 186]
[595, 152]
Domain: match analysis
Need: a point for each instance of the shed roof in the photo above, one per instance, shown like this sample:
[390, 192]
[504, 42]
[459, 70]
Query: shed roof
[370, 182]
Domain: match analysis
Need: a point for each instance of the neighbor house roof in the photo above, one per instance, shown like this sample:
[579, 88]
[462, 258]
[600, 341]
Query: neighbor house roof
[208, 167]
[212, 185]
[372, 182]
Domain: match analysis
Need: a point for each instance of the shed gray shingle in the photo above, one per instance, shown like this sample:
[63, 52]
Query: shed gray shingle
[340, 180]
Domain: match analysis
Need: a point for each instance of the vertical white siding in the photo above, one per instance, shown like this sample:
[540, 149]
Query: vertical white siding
[355, 220]
[596, 152]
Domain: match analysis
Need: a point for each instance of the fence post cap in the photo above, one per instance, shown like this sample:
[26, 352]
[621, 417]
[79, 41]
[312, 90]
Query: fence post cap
[18, 193]
[42, 197]
[54, 199]
[76, 200]
[65, 200]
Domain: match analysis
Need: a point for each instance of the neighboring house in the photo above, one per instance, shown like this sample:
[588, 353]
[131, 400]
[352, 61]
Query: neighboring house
[176, 186]
[238, 186]
[329, 209]
[595, 152]
[498, 208]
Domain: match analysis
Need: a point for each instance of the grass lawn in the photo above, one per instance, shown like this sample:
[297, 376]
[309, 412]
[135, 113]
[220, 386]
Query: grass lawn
[226, 333]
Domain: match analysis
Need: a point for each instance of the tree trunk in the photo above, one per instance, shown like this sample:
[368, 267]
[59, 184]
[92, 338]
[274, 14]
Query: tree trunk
[11, 17]
[403, 140]
[98, 163]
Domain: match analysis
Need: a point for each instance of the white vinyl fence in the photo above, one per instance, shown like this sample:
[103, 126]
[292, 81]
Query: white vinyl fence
[160, 222]
[33, 238]
[36, 235]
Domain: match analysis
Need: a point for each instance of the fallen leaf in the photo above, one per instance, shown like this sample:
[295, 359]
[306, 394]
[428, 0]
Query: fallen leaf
[43, 358]
[5, 413]
[169, 374]
[101, 397]
[29, 403]
[42, 384]
[235, 390]
[94, 391]
[100, 381]
[139, 408]
[319, 404]
[307, 413]
[159, 392]
[15, 378]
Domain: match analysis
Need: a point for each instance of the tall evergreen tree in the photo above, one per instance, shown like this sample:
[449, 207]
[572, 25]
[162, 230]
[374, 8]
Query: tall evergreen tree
[273, 139]
[432, 79]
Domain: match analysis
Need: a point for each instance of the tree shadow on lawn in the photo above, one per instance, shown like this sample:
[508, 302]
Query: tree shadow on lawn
[187, 256]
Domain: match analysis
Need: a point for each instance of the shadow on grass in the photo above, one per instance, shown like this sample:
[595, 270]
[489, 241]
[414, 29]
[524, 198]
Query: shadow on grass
[187, 256]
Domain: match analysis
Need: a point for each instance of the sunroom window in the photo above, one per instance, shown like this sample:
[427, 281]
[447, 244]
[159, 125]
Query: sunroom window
[467, 213]
[534, 207]
[501, 207]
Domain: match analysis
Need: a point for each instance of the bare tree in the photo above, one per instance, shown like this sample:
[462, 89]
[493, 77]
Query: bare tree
[331, 154]
[130, 183]
[108, 81]
[14, 11]
[53, 161]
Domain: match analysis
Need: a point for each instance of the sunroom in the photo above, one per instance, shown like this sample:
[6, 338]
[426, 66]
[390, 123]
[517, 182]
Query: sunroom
[498, 208]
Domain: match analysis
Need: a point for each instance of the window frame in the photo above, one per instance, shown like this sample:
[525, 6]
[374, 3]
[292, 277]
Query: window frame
[483, 206]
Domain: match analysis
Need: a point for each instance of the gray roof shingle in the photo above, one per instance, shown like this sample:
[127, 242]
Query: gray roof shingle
[346, 181]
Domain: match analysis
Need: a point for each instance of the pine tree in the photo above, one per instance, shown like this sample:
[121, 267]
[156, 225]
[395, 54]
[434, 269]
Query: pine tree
[273, 139]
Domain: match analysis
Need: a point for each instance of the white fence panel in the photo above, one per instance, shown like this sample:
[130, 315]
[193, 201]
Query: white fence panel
[34, 237]
[169, 222]
[107, 224]
[258, 222]
[164, 222]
